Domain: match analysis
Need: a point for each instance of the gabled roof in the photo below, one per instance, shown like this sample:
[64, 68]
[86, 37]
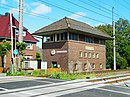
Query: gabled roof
[5, 28]
[69, 25]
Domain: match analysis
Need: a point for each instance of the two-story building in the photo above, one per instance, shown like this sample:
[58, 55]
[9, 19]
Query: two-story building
[5, 33]
[73, 46]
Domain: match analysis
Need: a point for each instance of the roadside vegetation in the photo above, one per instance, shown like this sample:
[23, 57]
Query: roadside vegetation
[58, 75]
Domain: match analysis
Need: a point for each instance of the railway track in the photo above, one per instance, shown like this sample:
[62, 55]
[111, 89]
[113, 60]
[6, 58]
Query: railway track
[111, 79]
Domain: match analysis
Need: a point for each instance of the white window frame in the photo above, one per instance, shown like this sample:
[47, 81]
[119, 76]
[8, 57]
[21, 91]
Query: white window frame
[29, 46]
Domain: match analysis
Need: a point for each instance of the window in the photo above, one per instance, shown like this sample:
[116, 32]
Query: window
[85, 54]
[24, 33]
[50, 38]
[29, 46]
[28, 57]
[89, 39]
[101, 41]
[93, 55]
[85, 66]
[73, 36]
[17, 32]
[80, 54]
[58, 37]
[89, 55]
[62, 36]
[93, 65]
[97, 55]
[100, 66]
[76, 66]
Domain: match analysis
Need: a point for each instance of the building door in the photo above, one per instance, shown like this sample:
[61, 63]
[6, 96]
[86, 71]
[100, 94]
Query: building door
[54, 64]
[39, 64]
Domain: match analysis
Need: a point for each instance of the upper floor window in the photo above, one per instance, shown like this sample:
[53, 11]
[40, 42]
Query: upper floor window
[50, 38]
[73, 36]
[101, 41]
[29, 46]
[28, 57]
[85, 55]
[17, 32]
[80, 54]
[89, 39]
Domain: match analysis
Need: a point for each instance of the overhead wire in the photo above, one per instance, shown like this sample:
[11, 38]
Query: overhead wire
[32, 13]
[87, 9]
[59, 7]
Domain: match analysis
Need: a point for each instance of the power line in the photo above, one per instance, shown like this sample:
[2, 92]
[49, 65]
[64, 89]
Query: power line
[122, 5]
[43, 17]
[116, 14]
[72, 11]
[32, 13]
[87, 9]
[94, 6]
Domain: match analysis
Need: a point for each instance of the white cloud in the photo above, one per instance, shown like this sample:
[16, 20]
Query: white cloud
[98, 24]
[3, 2]
[77, 15]
[40, 8]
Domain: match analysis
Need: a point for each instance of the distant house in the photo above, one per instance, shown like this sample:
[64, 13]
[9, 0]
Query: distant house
[73, 46]
[5, 33]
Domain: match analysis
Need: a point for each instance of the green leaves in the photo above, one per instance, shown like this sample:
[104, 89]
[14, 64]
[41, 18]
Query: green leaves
[38, 56]
[5, 47]
[21, 47]
[122, 44]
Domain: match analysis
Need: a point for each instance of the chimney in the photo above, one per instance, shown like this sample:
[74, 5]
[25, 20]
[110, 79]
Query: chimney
[6, 14]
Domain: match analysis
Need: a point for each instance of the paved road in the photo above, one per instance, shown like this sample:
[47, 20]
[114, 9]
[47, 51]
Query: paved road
[44, 87]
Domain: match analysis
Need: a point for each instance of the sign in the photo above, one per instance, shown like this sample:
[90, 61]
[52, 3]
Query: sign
[53, 52]
[89, 48]
[64, 51]
[15, 51]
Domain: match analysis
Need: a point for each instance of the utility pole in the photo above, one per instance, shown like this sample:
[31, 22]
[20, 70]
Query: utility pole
[11, 31]
[20, 27]
[114, 46]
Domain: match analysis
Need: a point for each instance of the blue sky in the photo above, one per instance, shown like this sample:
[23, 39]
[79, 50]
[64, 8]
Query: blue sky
[40, 13]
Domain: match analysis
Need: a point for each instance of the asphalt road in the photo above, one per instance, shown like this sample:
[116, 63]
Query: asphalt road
[44, 87]
[105, 91]
[16, 84]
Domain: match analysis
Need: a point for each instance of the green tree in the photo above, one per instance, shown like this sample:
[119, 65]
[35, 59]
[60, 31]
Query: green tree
[122, 43]
[21, 47]
[38, 56]
[5, 47]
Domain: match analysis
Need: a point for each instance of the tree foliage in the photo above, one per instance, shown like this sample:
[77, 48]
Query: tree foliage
[122, 44]
[21, 47]
[5, 47]
[38, 56]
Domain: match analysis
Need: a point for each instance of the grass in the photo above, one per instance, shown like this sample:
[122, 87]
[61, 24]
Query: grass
[58, 75]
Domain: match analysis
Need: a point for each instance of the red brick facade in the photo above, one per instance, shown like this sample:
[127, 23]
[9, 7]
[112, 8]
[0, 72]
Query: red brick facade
[73, 49]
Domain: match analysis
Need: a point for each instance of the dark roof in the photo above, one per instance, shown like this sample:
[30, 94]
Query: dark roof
[5, 28]
[67, 24]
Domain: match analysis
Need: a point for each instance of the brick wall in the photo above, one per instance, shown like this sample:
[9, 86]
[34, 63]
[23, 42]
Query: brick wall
[60, 58]
[76, 47]
[73, 54]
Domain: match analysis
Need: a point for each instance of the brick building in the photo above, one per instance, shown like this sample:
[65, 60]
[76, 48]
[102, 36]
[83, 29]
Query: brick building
[5, 33]
[73, 46]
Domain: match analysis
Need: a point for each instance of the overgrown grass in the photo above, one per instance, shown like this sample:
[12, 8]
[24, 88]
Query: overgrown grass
[58, 75]
[18, 73]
